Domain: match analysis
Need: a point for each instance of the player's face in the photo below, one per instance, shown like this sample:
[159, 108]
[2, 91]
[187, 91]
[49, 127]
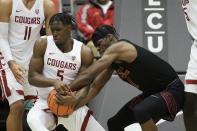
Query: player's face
[60, 32]
[103, 44]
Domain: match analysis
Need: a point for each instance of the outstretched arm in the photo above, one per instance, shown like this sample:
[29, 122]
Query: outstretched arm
[86, 77]
[118, 52]
[96, 86]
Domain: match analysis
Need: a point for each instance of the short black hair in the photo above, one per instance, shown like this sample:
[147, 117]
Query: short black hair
[65, 18]
[102, 31]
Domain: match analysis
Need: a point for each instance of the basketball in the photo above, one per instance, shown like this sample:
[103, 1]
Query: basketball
[57, 109]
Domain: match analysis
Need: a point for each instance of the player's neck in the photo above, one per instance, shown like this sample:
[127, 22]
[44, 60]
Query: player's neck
[29, 3]
[67, 46]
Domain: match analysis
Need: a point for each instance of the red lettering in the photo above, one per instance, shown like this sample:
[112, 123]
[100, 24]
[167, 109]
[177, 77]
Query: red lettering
[20, 19]
[70, 65]
[38, 20]
[53, 62]
[16, 19]
[62, 64]
[48, 61]
[122, 74]
[27, 20]
[74, 66]
[57, 63]
[66, 65]
[186, 15]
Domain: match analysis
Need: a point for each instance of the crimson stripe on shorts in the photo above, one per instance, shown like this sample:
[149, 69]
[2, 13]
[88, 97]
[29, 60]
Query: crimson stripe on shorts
[85, 121]
[5, 90]
[2, 89]
[28, 97]
[20, 92]
[191, 81]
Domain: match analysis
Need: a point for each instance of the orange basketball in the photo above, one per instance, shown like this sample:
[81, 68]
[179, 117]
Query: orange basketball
[58, 109]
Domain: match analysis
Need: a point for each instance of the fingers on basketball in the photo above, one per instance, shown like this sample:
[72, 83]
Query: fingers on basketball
[57, 109]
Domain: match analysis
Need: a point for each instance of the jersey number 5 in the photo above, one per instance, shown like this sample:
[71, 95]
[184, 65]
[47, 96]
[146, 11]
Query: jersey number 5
[27, 33]
[59, 74]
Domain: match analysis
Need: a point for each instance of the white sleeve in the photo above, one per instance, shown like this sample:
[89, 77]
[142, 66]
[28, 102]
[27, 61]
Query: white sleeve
[4, 44]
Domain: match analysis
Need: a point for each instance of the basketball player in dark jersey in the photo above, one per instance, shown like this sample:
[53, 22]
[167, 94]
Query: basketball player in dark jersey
[163, 91]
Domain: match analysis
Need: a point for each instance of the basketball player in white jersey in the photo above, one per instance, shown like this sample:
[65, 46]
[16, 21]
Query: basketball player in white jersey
[20, 24]
[56, 62]
[190, 105]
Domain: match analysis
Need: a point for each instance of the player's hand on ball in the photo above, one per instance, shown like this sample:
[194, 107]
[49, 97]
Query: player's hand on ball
[58, 109]
[66, 100]
[60, 87]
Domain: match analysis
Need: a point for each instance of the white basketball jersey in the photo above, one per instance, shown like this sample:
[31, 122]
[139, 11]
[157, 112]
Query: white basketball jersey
[190, 11]
[24, 29]
[59, 65]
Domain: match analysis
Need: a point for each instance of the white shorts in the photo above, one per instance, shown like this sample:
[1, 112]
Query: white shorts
[14, 91]
[79, 120]
[191, 75]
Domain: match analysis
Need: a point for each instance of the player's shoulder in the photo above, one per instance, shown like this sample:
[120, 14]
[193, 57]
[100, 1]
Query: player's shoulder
[49, 8]
[40, 47]
[48, 4]
[86, 53]
[122, 44]
[6, 2]
[41, 43]
[120, 47]
[5, 5]
[86, 49]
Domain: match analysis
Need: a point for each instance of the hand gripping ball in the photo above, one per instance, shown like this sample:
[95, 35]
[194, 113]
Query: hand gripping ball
[57, 109]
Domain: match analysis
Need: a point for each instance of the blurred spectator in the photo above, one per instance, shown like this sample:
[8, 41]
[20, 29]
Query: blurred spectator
[92, 15]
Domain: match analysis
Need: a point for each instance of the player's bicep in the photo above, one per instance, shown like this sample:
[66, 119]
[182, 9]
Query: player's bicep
[121, 51]
[37, 60]
[86, 58]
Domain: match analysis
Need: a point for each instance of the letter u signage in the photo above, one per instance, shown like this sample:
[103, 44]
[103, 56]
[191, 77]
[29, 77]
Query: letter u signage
[154, 20]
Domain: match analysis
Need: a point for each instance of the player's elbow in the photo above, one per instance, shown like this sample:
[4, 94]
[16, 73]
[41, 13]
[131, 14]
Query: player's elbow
[31, 78]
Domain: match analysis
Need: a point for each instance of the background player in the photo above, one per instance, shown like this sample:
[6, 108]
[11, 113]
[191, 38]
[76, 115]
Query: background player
[190, 105]
[20, 24]
[56, 61]
[163, 91]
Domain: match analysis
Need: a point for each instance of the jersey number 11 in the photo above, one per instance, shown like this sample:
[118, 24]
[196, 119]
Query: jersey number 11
[27, 33]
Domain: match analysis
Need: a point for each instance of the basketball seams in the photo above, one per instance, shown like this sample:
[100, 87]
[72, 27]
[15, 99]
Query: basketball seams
[58, 109]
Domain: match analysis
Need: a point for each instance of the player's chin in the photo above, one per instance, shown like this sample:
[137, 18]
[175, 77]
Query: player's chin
[56, 42]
